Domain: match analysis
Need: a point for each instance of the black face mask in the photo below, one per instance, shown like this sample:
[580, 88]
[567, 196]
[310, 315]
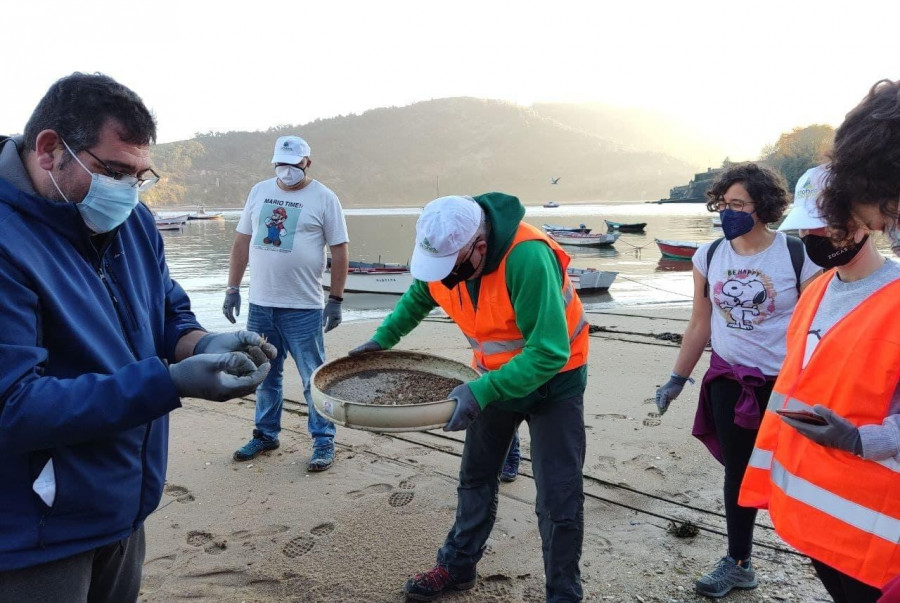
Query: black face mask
[823, 252]
[462, 272]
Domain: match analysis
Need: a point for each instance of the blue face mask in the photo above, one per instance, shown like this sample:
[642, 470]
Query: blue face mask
[108, 202]
[736, 223]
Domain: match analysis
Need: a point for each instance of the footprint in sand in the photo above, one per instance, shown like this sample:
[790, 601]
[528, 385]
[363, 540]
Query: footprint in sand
[400, 499]
[652, 420]
[407, 484]
[610, 415]
[179, 493]
[373, 489]
[649, 400]
[495, 588]
[322, 529]
[606, 463]
[298, 546]
[270, 530]
[197, 538]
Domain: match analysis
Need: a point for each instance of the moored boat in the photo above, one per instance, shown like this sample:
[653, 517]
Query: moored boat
[202, 214]
[551, 204]
[583, 240]
[580, 228]
[176, 222]
[677, 249]
[625, 226]
[591, 279]
[393, 281]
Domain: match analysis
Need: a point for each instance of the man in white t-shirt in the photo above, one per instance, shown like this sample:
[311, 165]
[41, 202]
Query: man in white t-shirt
[284, 228]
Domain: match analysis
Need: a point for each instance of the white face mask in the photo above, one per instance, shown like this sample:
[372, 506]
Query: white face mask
[290, 175]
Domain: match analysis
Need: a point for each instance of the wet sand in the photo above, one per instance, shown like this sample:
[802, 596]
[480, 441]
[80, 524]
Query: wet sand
[267, 530]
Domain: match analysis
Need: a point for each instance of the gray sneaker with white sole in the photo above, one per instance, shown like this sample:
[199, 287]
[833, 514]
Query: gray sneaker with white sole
[726, 575]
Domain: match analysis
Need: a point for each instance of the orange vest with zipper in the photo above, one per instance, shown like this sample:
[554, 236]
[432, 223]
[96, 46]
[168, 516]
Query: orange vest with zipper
[832, 505]
[491, 329]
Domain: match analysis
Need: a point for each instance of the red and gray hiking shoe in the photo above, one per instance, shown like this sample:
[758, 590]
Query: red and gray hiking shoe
[430, 585]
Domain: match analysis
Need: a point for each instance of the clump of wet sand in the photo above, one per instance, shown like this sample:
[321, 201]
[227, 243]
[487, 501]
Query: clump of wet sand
[392, 387]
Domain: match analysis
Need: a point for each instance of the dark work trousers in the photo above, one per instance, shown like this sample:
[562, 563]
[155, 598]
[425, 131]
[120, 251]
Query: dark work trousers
[843, 588]
[737, 445]
[557, 457]
[109, 574]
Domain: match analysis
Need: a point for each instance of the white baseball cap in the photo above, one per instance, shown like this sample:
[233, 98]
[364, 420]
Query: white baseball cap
[290, 149]
[805, 213]
[443, 229]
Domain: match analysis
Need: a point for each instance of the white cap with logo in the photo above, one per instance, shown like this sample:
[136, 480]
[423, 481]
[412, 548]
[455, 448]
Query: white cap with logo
[805, 213]
[443, 229]
[290, 149]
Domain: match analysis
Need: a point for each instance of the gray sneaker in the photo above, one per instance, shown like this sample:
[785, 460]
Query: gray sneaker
[726, 575]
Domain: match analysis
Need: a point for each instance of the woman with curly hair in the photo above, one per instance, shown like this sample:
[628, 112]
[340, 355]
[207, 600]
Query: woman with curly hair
[828, 468]
[745, 288]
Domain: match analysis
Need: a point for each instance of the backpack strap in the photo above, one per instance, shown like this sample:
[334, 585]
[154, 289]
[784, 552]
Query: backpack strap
[795, 247]
[709, 256]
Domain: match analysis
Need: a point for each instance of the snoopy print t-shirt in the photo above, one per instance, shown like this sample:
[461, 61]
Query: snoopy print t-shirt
[288, 234]
[752, 297]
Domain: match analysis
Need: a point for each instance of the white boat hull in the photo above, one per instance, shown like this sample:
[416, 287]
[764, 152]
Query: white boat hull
[585, 240]
[591, 280]
[394, 283]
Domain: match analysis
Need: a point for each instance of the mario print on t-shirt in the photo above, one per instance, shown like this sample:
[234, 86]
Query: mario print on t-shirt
[277, 224]
[745, 298]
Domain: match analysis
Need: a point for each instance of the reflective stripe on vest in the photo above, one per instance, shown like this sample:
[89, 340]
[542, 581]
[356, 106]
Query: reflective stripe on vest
[827, 502]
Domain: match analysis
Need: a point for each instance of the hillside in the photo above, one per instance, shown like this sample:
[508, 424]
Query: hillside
[400, 156]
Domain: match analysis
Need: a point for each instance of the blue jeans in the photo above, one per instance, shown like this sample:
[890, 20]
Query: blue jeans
[298, 332]
[557, 456]
[515, 454]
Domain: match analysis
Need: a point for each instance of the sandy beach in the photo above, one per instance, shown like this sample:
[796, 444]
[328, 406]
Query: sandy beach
[267, 530]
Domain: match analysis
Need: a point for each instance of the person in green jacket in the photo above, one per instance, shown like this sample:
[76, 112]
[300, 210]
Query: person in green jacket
[458, 240]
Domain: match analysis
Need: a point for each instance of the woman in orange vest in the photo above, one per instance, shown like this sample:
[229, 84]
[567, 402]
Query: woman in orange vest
[828, 468]
[745, 289]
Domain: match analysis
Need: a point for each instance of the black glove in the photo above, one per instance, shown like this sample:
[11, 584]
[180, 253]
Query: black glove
[369, 346]
[332, 314]
[467, 409]
[233, 341]
[232, 305]
[217, 377]
[669, 391]
[837, 433]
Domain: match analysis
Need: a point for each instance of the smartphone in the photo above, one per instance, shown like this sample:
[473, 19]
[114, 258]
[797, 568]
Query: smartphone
[802, 415]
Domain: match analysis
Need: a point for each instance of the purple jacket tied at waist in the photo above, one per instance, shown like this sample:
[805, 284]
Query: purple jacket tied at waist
[746, 411]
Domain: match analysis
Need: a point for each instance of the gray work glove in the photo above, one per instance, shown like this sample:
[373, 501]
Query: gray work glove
[217, 377]
[669, 391]
[233, 341]
[837, 433]
[332, 314]
[467, 409]
[232, 305]
[369, 346]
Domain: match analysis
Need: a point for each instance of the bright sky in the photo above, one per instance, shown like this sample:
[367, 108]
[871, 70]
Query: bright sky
[738, 73]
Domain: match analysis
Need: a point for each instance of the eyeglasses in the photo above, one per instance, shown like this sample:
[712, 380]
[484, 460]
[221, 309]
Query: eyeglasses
[142, 182]
[722, 205]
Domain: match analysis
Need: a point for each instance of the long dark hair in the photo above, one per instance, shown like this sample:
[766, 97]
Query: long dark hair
[765, 186]
[865, 160]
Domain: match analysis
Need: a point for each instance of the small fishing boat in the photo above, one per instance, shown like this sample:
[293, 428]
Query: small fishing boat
[202, 214]
[717, 222]
[551, 204]
[580, 228]
[591, 279]
[176, 222]
[625, 226]
[583, 240]
[370, 279]
[682, 250]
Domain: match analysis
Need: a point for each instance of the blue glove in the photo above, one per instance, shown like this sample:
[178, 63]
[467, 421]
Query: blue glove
[233, 341]
[669, 391]
[837, 433]
[332, 314]
[217, 377]
[467, 409]
[232, 305]
[369, 346]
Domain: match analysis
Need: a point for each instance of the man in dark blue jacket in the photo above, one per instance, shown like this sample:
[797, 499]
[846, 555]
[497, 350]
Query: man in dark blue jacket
[97, 343]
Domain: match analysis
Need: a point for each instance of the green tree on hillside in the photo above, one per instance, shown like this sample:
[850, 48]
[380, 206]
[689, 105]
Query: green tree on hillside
[798, 150]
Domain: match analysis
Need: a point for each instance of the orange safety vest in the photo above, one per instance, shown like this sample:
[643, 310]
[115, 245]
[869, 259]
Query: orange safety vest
[492, 330]
[832, 505]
